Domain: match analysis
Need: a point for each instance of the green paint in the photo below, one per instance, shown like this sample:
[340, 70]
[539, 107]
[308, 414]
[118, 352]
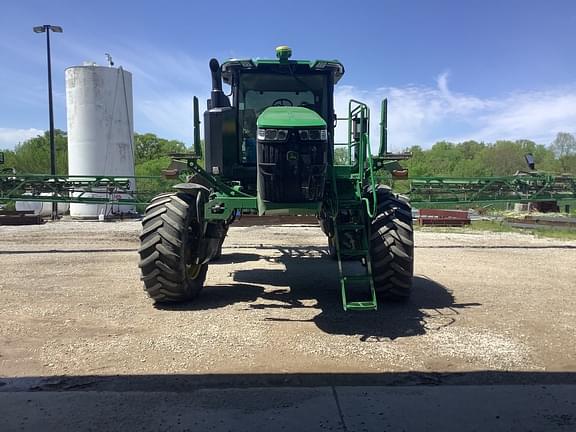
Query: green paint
[227, 205]
[289, 117]
[73, 189]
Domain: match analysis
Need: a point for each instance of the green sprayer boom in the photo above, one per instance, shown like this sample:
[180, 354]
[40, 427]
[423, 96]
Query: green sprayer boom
[429, 192]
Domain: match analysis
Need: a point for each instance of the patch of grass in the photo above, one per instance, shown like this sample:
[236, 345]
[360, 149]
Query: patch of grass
[8, 205]
[558, 234]
[495, 226]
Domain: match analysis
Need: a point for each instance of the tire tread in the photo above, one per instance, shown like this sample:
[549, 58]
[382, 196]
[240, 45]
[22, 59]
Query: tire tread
[392, 246]
[162, 254]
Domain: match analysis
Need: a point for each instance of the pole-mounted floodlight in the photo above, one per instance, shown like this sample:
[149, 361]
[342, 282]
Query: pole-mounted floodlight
[46, 28]
[42, 29]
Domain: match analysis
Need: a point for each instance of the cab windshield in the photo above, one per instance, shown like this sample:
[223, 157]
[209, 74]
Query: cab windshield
[258, 91]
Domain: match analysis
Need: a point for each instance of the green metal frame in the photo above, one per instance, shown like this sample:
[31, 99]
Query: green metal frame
[73, 189]
[423, 191]
[528, 187]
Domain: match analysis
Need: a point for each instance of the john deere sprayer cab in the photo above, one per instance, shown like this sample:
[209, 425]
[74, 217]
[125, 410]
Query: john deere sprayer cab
[269, 149]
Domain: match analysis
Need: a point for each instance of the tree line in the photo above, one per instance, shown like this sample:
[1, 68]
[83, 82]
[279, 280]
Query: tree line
[464, 159]
[480, 159]
[150, 158]
[502, 158]
[33, 155]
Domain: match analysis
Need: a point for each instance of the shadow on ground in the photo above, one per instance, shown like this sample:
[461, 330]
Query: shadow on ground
[308, 278]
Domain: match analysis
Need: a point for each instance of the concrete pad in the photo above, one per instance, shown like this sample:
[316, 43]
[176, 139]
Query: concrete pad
[414, 408]
[202, 410]
[459, 408]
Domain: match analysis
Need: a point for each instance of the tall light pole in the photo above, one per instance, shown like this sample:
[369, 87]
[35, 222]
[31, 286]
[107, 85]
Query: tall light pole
[46, 28]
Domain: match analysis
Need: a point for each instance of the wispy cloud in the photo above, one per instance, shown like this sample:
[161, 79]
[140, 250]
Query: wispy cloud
[170, 116]
[420, 115]
[164, 86]
[165, 82]
[11, 137]
[536, 115]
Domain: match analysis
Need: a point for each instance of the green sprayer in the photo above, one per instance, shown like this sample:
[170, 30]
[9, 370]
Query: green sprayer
[269, 150]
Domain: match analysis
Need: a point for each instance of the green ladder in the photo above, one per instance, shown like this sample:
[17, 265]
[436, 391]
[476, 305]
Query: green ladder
[357, 225]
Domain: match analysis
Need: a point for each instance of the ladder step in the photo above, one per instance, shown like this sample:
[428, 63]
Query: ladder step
[361, 305]
[357, 278]
[371, 304]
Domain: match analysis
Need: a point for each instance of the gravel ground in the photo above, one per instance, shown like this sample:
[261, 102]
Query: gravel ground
[71, 303]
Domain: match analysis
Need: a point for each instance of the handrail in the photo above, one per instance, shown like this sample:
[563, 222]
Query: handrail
[364, 163]
[383, 128]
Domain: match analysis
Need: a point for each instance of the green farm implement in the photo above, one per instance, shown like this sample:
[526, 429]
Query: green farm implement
[269, 150]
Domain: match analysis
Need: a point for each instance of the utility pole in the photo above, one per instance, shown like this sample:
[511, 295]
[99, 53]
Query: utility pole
[46, 28]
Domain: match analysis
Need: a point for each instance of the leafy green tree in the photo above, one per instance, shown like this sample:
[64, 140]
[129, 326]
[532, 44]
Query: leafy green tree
[340, 156]
[545, 159]
[9, 160]
[564, 147]
[564, 144]
[504, 158]
[477, 159]
[33, 155]
[149, 187]
[148, 147]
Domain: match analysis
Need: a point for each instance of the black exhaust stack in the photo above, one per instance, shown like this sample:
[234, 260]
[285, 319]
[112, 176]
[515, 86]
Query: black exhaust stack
[221, 147]
[217, 97]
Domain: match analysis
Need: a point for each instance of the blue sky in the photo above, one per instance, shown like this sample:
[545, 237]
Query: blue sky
[451, 70]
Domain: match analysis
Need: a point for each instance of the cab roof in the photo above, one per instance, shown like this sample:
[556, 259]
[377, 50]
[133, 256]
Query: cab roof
[275, 65]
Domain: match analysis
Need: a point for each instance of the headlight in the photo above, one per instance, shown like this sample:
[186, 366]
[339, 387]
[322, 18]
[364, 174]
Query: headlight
[272, 134]
[282, 134]
[313, 135]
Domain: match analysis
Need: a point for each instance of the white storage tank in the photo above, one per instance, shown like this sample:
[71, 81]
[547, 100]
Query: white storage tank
[100, 130]
[42, 208]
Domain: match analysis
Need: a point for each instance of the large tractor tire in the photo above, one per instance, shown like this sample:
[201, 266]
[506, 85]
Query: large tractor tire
[218, 254]
[170, 230]
[392, 246]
